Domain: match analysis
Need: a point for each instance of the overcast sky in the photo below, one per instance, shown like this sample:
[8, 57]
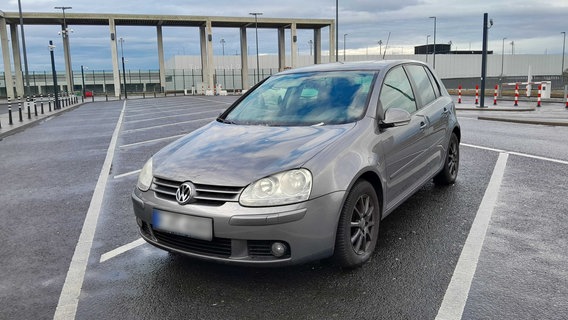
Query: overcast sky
[535, 26]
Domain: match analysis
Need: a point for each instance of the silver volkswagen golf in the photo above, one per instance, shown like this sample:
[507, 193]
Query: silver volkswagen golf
[302, 167]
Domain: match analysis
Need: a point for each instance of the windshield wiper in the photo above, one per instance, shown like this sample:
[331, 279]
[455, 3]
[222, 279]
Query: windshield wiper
[225, 121]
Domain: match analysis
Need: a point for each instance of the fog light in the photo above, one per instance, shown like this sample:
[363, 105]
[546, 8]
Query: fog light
[139, 222]
[278, 249]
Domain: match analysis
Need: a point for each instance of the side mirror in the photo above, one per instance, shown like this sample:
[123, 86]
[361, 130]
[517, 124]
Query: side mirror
[395, 117]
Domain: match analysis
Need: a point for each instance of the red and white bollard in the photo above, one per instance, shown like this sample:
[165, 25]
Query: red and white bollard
[539, 91]
[567, 101]
[460, 94]
[476, 94]
[516, 95]
[495, 95]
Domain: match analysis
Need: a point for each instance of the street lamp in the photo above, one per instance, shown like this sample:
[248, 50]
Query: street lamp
[310, 43]
[512, 47]
[54, 74]
[336, 30]
[83, 79]
[427, 51]
[502, 55]
[434, 63]
[65, 37]
[563, 48]
[380, 47]
[344, 39]
[256, 14]
[223, 45]
[123, 68]
[27, 93]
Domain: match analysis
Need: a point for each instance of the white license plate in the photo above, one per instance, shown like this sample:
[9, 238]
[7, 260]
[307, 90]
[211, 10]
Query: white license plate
[190, 226]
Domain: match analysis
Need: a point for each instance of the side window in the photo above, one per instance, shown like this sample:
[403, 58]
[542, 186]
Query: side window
[423, 85]
[396, 91]
[435, 83]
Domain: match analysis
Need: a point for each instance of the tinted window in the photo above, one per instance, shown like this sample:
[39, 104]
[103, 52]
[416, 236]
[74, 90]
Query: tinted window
[397, 92]
[424, 87]
[315, 98]
[434, 82]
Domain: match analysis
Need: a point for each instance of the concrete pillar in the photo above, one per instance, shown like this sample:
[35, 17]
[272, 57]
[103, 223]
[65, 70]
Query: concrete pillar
[293, 46]
[161, 58]
[114, 54]
[332, 42]
[281, 49]
[244, 59]
[317, 46]
[67, 58]
[17, 60]
[204, 60]
[210, 61]
[6, 59]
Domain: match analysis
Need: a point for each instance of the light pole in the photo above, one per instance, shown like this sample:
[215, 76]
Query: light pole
[563, 48]
[512, 48]
[65, 37]
[27, 92]
[256, 14]
[380, 47]
[123, 68]
[54, 74]
[223, 45]
[344, 39]
[427, 51]
[310, 43]
[434, 63]
[83, 79]
[336, 30]
[502, 56]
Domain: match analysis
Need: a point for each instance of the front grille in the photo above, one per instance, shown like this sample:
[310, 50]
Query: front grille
[218, 247]
[205, 194]
[259, 248]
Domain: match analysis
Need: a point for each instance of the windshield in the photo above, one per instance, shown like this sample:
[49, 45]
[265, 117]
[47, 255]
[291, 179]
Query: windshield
[305, 99]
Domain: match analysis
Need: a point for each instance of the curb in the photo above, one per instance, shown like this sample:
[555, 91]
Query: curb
[546, 122]
[513, 109]
[33, 122]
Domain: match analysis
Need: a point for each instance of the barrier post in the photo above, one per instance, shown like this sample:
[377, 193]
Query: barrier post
[10, 120]
[460, 94]
[476, 94]
[35, 105]
[516, 94]
[28, 107]
[539, 92]
[495, 95]
[567, 101]
[20, 108]
[41, 103]
[49, 102]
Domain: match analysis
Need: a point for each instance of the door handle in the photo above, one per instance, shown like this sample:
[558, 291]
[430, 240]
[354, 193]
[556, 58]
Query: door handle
[423, 125]
[446, 111]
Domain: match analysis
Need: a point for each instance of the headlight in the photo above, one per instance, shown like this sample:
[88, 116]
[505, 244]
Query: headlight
[279, 189]
[145, 177]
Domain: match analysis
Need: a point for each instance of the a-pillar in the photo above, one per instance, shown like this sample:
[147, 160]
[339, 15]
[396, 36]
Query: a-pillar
[281, 49]
[6, 59]
[17, 60]
[206, 43]
[293, 46]
[114, 54]
[161, 58]
[67, 58]
[317, 46]
[332, 42]
[244, 59]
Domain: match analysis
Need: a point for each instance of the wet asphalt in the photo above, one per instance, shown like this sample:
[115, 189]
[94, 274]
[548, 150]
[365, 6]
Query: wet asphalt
[49, 172]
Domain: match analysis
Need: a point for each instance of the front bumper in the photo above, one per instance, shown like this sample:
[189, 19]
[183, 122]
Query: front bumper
[244, 235]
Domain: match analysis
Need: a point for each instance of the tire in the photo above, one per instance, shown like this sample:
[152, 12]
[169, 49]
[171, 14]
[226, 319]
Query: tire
[449, 172]
[358, 227]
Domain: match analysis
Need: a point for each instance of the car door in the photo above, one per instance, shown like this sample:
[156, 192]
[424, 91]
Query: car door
[402, 146]
[435, 109]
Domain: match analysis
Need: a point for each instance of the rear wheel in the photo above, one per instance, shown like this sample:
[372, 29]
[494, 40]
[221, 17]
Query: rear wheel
[449, 172]
[358, 227]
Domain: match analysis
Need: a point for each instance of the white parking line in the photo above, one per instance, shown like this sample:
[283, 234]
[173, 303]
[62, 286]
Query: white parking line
[69, 298]
[113, 253]
[142, 111]
[458, 290]
[515, 153]
[127, 174]
[172, 116]
[214, 101]
[151, 141]
[166, 125]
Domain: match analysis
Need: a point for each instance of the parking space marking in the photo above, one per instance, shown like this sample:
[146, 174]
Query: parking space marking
[151, 141]
[172, 116]
[127, 174]
[144, 111]
[120, 250]
[515, 153]
[166, 125]
[457, 292]
[69, 298]
[214, 101]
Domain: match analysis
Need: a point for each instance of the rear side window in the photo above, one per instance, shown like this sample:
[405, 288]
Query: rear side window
[397, 92]
[435, 83]
[424, 87]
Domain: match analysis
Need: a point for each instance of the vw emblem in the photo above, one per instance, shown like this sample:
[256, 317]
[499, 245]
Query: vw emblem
[185, 193]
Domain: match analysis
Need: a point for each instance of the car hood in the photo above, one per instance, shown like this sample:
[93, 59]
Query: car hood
[236, 155]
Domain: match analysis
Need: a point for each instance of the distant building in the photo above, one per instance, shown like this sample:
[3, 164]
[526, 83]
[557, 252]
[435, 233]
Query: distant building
[444, 49]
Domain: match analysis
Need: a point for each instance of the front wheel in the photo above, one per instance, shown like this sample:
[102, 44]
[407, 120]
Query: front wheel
[449, 172]
[358, 227]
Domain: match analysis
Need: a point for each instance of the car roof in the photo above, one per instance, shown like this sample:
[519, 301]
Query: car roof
[350, 66]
